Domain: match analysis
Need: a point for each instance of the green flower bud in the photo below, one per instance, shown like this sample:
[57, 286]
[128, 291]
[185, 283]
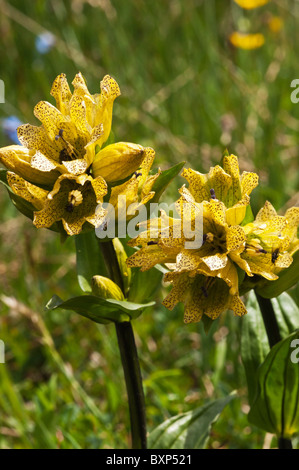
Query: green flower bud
[124, 268]
[105, 288]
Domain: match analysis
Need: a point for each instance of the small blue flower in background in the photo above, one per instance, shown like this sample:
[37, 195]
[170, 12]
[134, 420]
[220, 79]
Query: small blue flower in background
[44, 42]
[9, 126]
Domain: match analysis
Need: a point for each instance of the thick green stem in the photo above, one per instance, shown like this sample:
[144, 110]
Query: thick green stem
[129, 358]
[274, 337]
[269, 319]
[130, 363]
[284, 443]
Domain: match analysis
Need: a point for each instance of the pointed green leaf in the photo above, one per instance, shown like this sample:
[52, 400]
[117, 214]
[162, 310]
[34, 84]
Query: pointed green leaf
[207, 323]
[287, 314]
[254, 343]
[276, 405]
[99, 310]
[90, 260]
[188, 430]
[254, 340]
[144, 284]
[249, 217]
[163, 181]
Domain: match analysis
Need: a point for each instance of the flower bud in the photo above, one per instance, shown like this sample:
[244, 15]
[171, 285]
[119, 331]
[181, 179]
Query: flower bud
[105, 288]
[117, 161]
[121, 258]
[17, 159]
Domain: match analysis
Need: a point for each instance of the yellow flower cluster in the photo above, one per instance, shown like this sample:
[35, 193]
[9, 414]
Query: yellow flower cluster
[206, 278]
[63, 168]
[248, 41]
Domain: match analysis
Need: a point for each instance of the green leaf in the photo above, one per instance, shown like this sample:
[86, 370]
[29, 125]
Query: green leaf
[287, 279]
[164, 180]
[275, 408]
[254, 343]
[249, 217]
[99, 310]
[254, 340]
[207, 323]
[287, 314]
[188, 430]
[90, 260]
[144, 284]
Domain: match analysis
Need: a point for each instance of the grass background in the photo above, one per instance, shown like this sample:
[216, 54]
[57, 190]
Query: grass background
[189, 94]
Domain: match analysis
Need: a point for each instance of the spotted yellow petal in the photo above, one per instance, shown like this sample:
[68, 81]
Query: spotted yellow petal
[235, 239]
[149, 257]
[200, 185]
[249, 181]
[31, 193]
[61, 92]
[197, 295]
[104, 105]
[19, 160]
[34, 137]
[267, 212]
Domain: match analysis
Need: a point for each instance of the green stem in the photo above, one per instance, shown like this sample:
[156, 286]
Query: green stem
[284, 443]
[130, 363]
[274, 337]
[129, 358]
[269, 319]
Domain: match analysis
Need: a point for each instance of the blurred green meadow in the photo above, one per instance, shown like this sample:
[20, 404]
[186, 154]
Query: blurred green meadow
[189, 94]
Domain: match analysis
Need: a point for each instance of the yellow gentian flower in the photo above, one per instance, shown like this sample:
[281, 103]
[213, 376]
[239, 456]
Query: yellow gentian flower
[71, 137]
[137, 190]
[74, 201]
[271, 240]
[164, 241]
[201, 295]
[225, 184]
[69, 133]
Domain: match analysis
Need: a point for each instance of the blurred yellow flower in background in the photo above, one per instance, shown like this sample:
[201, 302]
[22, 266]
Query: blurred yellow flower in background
[275, 23]
[251, 4]
[247, 41]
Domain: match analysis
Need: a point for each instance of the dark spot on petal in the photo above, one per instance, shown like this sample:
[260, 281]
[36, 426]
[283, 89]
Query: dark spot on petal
[212, 192]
